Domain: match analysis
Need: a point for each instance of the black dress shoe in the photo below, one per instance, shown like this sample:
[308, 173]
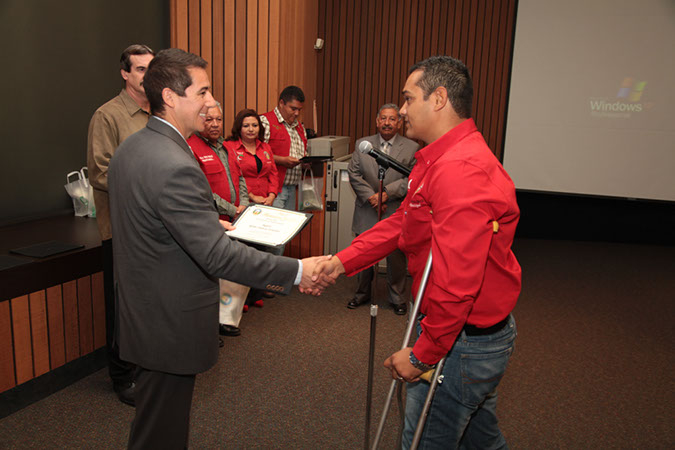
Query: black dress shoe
[353, 303]
[400, 309]
[229, 330]
[125, 392]
[221, 342]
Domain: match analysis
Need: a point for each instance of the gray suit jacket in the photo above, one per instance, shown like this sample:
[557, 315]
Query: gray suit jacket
[169, 249]
[362, 171]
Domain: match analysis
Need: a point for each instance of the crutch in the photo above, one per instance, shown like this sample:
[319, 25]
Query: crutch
[433, 376]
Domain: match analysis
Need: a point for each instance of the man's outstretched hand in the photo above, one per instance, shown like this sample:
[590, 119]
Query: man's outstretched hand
[309, 285]
[328, 270]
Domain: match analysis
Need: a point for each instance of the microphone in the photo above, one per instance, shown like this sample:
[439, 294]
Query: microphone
[383, 159]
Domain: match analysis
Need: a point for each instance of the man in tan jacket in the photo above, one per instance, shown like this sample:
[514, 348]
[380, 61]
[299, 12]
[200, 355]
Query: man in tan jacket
[110, 125]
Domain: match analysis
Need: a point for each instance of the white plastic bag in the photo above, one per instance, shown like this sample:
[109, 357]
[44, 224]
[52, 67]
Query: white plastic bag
[310, 197]
[79, 189]
[232, 299]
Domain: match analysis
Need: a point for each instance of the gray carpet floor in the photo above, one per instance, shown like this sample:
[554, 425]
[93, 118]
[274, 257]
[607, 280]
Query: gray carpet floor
[593, 366]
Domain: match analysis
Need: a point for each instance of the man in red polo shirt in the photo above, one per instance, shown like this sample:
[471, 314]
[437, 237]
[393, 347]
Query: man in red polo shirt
[288, 140]
[228, 186]
[461, 205]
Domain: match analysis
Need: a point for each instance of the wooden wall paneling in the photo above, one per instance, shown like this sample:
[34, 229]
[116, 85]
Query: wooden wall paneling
[285, 56]
[216, 21]
[39, 332]
[382, 50]
[467, 39]
[85, 318]
[206, 36]
[55, 319]
[273, 90]
[70, 321]
[354, 73]
[506, 69]
[379, 60]
[370, 70]
[351, 72]
[392, 89]
[494, 71]
[300, 44]
[263, 52]
[98, 309]
[498, 58]
[361, 36]
[471, 41]
[229, 65]
[389, 41]
[401, 40]
[458, 15]
[194, 26]
[444, 33]
[23, 354]
[477, 73]
[334, 74]
[296, 60]
[342, 68]
[321, 68]
[311, 58]
[421, 28]
[412, 36]
[251, 53]
[240, 55]
[428, 28]
[7, 377]
[398, 65]
[179, 24]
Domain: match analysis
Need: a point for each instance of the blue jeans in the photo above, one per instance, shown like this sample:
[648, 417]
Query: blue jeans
[463, 413]
[286, 198]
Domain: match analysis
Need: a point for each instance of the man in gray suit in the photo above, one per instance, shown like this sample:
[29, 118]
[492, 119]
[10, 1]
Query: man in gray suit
[169, 250]
[363, 177]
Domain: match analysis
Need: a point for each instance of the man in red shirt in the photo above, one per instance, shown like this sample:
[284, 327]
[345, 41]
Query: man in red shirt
[229, 192]
[461, 206]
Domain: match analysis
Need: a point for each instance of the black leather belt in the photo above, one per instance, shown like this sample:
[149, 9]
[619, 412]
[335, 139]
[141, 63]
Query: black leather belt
[472, 330]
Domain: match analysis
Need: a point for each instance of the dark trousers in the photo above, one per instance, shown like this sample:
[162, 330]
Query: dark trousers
[396, 278]
[163, 403]
[121, 372]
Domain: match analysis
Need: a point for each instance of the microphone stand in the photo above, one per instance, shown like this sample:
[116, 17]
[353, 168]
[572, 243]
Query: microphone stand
[373, 312]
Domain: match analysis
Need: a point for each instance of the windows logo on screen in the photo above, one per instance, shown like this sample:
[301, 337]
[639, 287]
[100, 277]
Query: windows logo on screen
[631, 90]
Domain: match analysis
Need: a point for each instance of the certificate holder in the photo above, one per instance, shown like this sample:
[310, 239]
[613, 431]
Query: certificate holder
[268, 226]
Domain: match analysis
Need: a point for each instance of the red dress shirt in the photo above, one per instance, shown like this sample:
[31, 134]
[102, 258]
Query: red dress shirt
[456, 191]
[263, 183]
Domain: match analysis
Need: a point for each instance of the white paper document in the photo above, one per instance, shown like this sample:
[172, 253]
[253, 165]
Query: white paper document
[268, 226]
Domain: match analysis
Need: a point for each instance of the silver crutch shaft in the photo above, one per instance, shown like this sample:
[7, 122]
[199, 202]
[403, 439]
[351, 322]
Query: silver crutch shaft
[436, 378]
[406, 340]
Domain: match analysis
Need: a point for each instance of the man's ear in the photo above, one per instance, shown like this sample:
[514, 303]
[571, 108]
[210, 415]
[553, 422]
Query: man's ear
[440, 97]
[168, 96]
[125, 74]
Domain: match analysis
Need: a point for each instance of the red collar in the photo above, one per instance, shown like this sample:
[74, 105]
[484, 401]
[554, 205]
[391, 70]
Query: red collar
[436, 149]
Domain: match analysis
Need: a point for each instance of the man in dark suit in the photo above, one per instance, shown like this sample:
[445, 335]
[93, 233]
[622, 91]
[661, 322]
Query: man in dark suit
[169, 250]
[363, 172]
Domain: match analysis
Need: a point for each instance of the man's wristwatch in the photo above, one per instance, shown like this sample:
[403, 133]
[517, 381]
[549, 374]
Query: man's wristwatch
[419, 364]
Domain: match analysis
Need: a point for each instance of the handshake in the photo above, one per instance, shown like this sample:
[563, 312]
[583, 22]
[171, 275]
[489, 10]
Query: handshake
[319, 272]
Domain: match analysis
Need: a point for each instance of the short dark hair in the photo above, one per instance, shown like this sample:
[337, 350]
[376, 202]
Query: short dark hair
[133, 49]
[239, 122]
[169, 69]
[453, 75]
[291, 93]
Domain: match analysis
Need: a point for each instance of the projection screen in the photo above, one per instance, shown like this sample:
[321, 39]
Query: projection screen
[592, 97]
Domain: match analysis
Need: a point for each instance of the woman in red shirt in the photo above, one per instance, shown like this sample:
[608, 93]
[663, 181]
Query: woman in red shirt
[254, 156]
[256, 164]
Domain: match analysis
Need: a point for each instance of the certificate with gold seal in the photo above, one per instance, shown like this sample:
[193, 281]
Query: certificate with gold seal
[267, 225]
